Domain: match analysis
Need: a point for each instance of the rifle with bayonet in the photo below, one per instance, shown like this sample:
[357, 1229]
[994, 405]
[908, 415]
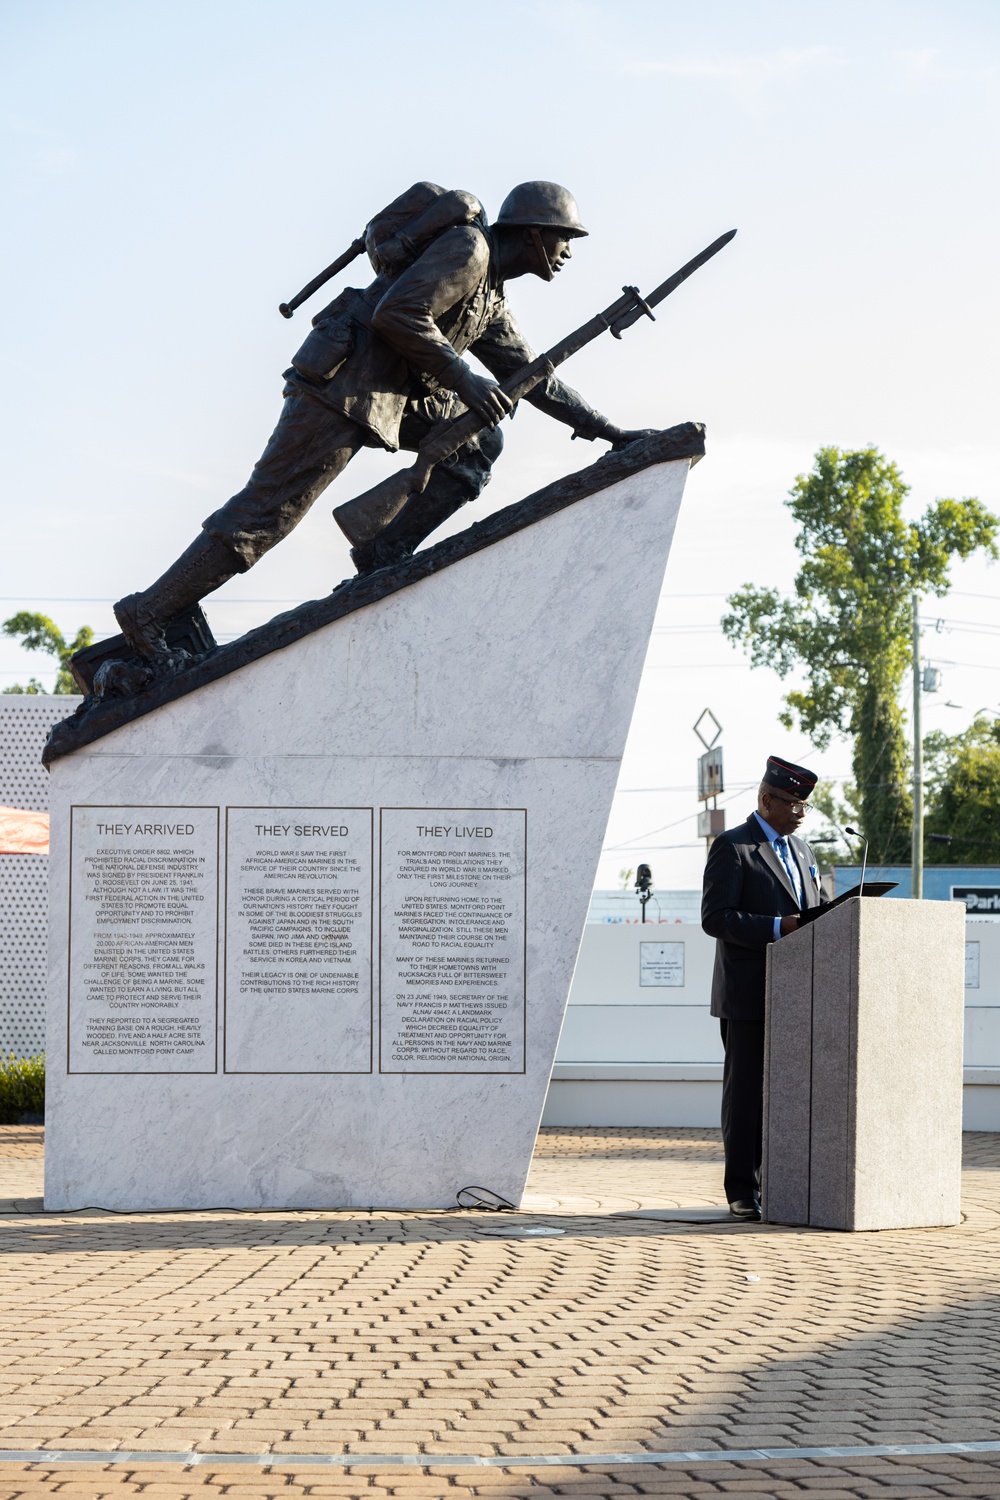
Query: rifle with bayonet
[362, 518]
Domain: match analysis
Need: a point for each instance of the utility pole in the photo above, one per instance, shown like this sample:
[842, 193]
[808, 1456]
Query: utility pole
[917, 853]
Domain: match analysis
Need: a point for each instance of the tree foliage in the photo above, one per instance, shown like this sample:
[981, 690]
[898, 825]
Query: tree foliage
[846, 629]
[39, 633]
[963, 795]
[838, 807]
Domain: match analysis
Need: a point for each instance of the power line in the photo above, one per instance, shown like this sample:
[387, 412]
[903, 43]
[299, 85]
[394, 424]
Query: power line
[652, 848]
[976, 666]
[738, 791]
[967, 627]
[689, 786]
[970, 627]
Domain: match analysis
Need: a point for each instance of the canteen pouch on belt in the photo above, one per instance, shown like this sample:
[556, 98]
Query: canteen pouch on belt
[330, 340]
[325, 349]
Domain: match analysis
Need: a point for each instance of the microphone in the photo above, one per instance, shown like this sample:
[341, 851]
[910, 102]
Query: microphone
[864, 860]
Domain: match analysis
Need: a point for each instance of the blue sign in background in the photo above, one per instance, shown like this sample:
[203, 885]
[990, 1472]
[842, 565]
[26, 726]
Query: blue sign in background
[938, 880]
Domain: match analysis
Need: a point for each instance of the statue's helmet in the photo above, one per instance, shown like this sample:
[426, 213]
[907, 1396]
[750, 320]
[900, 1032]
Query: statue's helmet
[542, 205]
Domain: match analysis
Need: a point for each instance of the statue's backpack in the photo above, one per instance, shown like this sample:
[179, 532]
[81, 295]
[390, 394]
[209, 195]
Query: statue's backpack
[401, 231]
[393, 240]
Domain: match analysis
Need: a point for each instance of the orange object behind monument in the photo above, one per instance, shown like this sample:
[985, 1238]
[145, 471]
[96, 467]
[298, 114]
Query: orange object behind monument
[23, 832]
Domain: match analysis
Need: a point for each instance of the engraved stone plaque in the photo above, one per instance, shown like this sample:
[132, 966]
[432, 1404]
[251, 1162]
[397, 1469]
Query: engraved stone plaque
[661, 964]
[298, 940]
[143, 939]
[453, 940]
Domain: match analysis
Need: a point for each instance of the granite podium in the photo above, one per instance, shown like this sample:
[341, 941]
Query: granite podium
[316, 901]
[863, 1067]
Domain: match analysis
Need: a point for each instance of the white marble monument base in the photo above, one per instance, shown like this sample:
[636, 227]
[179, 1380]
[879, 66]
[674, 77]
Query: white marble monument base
[313, 923]
[863, 1067]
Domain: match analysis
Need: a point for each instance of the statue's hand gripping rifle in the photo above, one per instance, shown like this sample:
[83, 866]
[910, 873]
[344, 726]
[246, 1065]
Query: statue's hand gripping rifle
[362, 518]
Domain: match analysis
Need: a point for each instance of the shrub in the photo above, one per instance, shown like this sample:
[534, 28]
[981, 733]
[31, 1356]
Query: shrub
[22, 1088]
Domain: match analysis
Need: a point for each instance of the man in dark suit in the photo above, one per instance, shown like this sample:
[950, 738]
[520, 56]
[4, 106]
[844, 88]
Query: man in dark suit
[758, 878]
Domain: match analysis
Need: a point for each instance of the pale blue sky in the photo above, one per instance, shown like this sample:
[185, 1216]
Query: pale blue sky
[174, 170]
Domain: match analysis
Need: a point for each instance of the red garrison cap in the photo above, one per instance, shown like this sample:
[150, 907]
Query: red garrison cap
[788, 778]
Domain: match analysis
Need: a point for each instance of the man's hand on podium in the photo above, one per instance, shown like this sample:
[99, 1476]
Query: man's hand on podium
[788, 924]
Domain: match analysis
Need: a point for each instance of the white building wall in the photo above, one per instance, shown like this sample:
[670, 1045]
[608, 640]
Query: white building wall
[635, 1053]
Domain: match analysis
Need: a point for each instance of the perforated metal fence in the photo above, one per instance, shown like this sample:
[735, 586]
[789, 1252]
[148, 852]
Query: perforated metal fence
[24, 724]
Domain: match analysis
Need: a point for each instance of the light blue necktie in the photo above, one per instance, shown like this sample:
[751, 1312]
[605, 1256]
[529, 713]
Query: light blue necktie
[784, 854]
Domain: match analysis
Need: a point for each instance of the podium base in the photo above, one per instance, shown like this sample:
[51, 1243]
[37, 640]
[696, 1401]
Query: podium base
[863, 1068]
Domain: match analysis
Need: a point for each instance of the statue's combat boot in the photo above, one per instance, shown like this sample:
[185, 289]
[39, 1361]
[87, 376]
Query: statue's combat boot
[206, 565]
[453, 484]
[399, 540]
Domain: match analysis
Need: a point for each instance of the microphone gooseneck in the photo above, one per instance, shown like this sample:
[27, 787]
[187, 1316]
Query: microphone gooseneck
[864, 858]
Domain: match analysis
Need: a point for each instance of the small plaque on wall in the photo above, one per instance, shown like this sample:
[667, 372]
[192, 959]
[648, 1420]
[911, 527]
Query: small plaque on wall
[972, 966]
[661, 964]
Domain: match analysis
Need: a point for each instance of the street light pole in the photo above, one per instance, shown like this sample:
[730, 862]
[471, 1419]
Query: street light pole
[917, 852]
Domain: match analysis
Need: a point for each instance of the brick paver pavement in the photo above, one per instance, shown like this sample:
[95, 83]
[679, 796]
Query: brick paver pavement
[444, 1333]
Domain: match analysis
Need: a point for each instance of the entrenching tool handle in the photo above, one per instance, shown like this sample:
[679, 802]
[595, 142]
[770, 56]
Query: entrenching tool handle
[351, 253]
[362, 518]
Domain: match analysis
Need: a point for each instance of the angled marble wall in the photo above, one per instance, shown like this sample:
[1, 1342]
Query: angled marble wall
[863, 1068]
[313, 926]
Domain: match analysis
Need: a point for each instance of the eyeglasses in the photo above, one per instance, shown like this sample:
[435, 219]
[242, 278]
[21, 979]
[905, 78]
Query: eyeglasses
[791, 802]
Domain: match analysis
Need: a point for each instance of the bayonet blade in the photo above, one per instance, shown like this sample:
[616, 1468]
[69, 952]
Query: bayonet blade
[673, 282]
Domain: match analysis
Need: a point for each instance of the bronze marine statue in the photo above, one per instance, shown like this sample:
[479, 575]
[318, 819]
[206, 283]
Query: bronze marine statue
[382, 367]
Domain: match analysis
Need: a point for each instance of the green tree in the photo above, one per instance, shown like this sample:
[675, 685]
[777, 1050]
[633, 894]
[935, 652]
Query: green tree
[840, 811]
[963, 795]
[848, 623]
[39, 633]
